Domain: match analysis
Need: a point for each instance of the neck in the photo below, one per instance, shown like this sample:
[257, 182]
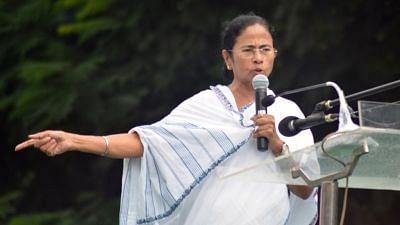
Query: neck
[244, 94]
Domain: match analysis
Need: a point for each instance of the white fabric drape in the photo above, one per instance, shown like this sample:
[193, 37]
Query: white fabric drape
[175, 182]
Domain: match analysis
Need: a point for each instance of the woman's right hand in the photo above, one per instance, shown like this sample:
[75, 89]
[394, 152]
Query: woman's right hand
[50, 142]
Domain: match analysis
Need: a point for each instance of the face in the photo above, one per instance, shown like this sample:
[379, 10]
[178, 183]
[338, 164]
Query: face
[252, 54]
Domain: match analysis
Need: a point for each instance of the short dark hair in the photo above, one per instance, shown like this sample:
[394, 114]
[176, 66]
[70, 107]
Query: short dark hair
[235, 27]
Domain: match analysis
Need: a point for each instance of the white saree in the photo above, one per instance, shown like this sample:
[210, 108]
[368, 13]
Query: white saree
[174, 182]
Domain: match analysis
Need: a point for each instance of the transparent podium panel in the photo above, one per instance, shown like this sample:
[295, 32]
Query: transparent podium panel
[377, 168]
[380, 169]
[370, 156]
[379, 114]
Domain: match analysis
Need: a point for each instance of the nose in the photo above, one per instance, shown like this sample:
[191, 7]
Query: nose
[257, 57]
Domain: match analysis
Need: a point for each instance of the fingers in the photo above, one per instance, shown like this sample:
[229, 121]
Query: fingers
[265, 126]
[267, 131]
[42, 142]
[41, 135]
[25, 144]
[36, 140]
[47, 145]
[37, 143]
[33, 138]
[49, 148]
[263, 118]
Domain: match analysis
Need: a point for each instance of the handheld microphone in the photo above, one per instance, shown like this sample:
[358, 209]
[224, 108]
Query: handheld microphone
[292, 125]
[260, 84]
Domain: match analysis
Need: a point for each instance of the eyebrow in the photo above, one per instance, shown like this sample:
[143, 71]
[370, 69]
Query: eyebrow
[254, 46]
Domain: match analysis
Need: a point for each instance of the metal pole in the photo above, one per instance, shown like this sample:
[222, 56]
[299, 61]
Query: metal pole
[329, 203]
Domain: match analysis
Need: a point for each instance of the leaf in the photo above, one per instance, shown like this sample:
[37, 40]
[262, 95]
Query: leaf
[32, 11]
[44, 218]
[93, 7]
[35, 72]
[87, 29]
[7, 205]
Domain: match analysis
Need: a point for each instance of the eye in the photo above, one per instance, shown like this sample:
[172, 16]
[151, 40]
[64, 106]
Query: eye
[247, 50]
[265, 49]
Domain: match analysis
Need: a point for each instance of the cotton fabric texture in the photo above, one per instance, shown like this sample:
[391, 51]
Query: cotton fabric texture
[175, 181]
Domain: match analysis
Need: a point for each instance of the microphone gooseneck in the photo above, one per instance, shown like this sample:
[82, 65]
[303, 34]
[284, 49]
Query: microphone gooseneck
[270, 99]
[292, 125]
[260, 84]
[329, 104]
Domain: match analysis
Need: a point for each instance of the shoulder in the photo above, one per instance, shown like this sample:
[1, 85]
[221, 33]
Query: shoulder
[287, 106]
[205, 107]
[201, 101]
[201, 96]
[208, 96]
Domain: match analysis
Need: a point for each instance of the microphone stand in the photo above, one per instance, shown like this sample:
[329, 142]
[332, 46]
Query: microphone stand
[329, 104]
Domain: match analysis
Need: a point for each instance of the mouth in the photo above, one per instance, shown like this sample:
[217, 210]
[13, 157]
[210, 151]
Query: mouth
[258, 71]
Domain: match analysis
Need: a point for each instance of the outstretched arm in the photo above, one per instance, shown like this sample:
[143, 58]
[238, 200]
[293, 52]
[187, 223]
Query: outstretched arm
[53, 143]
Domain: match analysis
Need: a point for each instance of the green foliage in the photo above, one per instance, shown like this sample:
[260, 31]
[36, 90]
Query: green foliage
[106, 212]
[90, 210]
[7, 204]
[88, 29]
[34, 73]
[34, 219]
[86, 8]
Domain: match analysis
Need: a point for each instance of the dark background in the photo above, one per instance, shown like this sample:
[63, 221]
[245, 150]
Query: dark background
[101, 67]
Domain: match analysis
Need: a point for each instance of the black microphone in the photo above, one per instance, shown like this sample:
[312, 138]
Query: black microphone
[292, 125]
[268, 100]
[260, 84]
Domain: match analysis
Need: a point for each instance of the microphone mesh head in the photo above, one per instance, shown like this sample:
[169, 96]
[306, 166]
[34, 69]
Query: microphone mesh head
[260, 81]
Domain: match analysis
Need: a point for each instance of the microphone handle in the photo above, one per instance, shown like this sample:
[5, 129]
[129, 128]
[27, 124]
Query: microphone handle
[312, 120]
[262, 142]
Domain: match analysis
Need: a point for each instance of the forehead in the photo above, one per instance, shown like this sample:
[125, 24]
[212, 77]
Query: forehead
[255, 34]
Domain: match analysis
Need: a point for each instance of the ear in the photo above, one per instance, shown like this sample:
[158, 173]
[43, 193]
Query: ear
[275, 52]
[227, 58]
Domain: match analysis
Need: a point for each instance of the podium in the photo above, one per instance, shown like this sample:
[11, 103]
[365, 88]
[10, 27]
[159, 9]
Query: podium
[369, 156]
